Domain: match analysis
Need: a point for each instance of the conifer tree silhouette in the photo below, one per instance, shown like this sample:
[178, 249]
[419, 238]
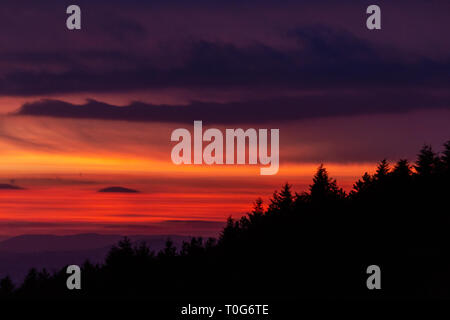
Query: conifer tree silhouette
[446, 157]
[382, 170]
[6, 286]
[283, 200]
[363, 184]
[394, 217]
[324, 188]
[402, 169]
[426, 162]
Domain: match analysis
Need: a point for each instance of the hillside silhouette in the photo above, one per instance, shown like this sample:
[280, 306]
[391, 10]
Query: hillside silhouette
[318, 243]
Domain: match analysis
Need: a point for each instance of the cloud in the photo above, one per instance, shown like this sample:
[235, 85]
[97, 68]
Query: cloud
[176, 227]
[5, 186]
[322, 58]
[319, 105]
[118, 190]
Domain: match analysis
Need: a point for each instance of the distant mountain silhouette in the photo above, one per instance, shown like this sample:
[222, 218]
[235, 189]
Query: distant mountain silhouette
[86, 241]
[5, 186]
[118, 190]
[46, 242]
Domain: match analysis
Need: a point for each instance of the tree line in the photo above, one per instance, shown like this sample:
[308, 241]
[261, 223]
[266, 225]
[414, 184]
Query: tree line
[317, 243]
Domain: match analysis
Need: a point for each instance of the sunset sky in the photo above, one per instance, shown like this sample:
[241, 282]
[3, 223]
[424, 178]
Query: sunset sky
[83, 110]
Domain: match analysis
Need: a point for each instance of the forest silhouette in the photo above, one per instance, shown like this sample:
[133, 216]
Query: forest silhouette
[315, 244]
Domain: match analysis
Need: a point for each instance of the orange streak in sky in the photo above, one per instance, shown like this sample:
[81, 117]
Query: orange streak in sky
[77, 204]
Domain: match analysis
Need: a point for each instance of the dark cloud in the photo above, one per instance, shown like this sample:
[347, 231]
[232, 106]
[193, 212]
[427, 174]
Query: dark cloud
[6, 186]
[180, 227]
[118, 190]
[281, 109]
[324, 58]
[129, 46]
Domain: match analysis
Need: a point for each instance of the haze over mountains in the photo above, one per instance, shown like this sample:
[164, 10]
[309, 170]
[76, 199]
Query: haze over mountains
[19, 254]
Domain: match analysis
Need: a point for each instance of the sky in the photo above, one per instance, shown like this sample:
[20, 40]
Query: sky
[83, 110]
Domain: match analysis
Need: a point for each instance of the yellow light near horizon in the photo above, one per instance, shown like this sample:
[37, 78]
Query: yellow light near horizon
[116, 164]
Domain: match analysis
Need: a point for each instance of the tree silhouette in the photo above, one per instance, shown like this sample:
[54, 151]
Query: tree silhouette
[362, 186]
[258, 209]
[282, 200]
[6, 286]
[382, 170]
[446, 157]
[427, 161]
[402, 170]
[314, 244]
[117, 254]
[324, 188]
[169, 250]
